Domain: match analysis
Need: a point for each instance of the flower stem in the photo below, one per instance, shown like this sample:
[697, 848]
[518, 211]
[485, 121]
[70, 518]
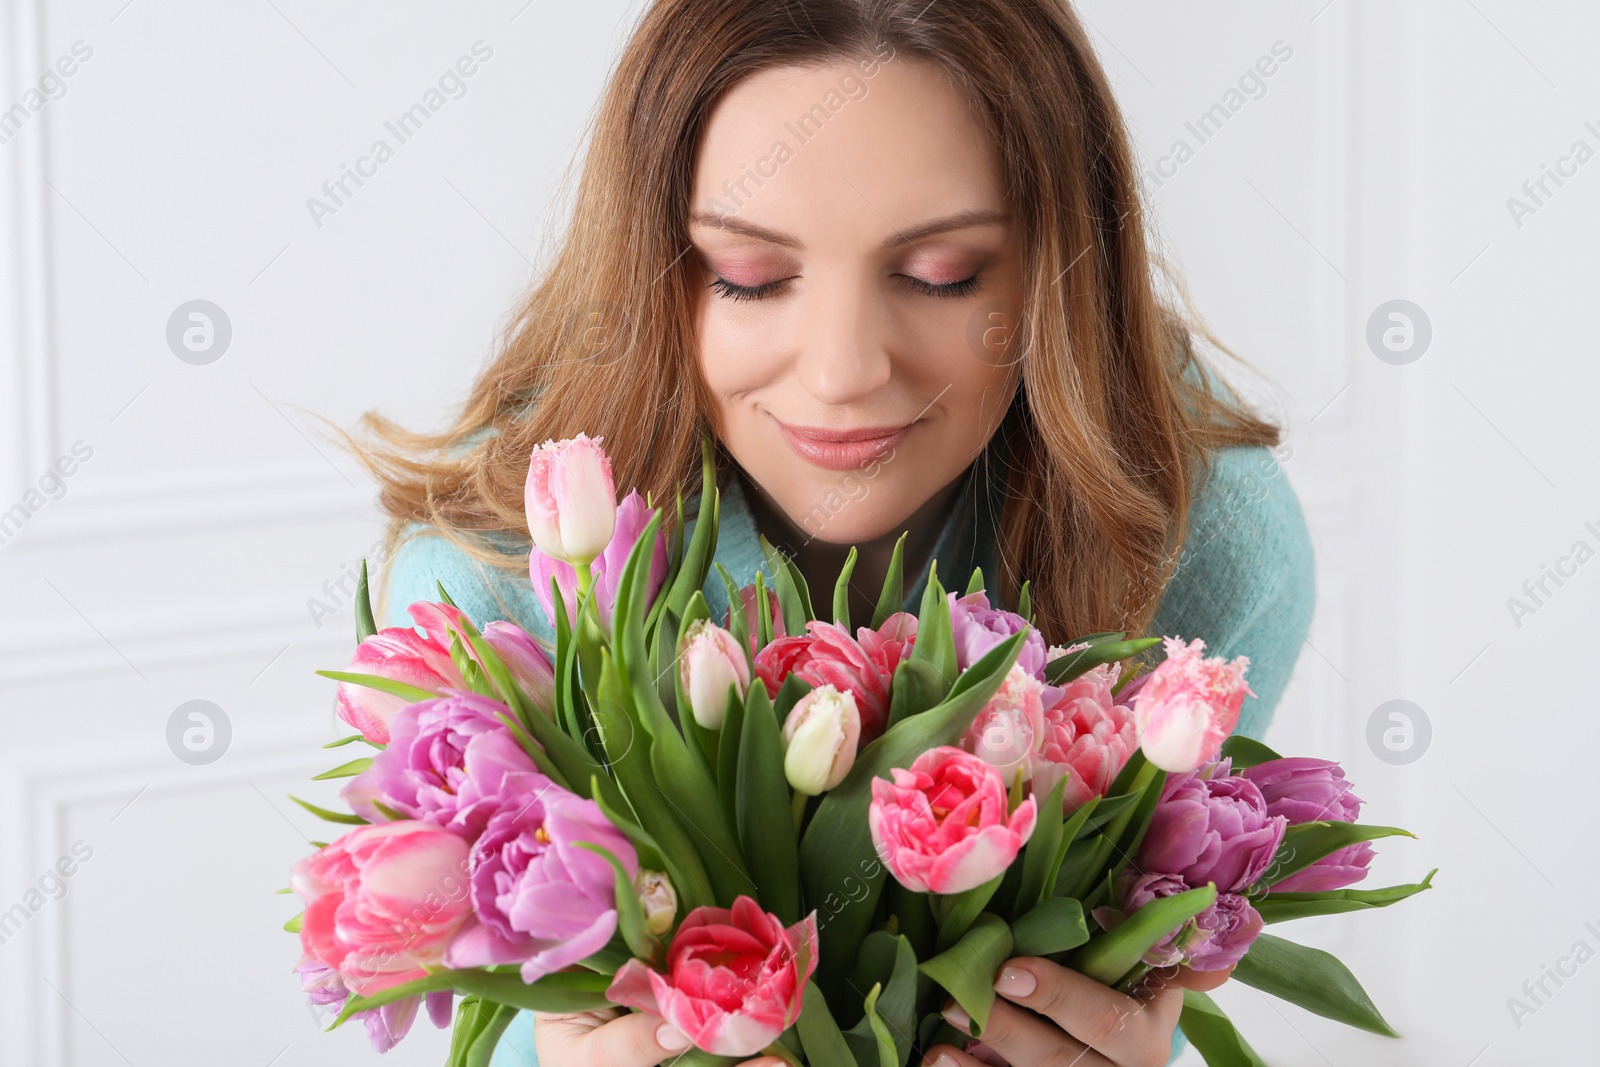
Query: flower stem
[799, 808]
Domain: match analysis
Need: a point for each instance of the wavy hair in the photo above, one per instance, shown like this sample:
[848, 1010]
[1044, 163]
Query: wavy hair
[1110, 435]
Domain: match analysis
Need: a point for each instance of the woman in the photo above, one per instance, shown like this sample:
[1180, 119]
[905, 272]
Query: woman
[894, 258]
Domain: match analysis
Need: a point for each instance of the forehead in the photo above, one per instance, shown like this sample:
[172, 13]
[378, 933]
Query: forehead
[846, 149]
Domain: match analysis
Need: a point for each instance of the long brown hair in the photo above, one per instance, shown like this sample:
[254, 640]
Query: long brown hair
[1111, 432]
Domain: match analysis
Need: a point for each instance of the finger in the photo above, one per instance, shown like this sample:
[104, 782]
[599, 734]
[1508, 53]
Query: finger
[1202, 981]
[1120, 1027]
[1023, 1037]
[636, 1039]
[948, 1056]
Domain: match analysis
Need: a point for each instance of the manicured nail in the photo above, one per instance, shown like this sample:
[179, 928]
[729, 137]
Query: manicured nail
[1015, 982]
[957, 1018]
[671, 1038]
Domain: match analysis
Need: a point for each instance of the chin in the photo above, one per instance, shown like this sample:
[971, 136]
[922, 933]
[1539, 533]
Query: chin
[852, 511]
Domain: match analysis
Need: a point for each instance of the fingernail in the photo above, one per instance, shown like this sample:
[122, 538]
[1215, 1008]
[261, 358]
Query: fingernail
[671, 1038]
[944, 1060]
[957, 1018]
[1015, 982]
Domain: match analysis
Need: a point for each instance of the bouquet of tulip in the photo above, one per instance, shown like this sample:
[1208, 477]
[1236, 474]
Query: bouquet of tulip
[787, 836]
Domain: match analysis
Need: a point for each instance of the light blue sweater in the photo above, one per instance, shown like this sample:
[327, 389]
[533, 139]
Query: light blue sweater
[1245, 584]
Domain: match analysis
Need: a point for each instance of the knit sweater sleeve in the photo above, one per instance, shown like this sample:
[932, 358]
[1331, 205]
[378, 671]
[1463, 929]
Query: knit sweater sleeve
[1245, 581]
[425, 560]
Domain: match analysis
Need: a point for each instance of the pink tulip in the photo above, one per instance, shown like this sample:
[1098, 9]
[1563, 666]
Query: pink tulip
[1009, 732]
[943, 826]
[570, 499]
[1088, 737]
[1189, 705]
[633, 515]
[890, 643]
[400, 654]
[734, 980]
[710, 663]
[827, 655]
[747, 602]
[383, 902]
[819, 740]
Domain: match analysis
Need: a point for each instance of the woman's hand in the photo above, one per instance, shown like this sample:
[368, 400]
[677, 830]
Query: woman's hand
[1071, 1019]
[613, 1039]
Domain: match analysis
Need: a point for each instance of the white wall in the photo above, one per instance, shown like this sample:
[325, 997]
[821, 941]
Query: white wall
[178, 562]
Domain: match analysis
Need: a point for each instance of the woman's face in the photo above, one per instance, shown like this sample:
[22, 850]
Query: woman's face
[861, 273]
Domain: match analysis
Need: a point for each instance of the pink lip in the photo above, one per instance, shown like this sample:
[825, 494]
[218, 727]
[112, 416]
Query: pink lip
[840, 450]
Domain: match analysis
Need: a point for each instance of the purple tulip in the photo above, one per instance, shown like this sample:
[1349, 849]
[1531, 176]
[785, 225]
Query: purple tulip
[528, 663]
[1211, 826]
[446, 763]
[978, 628]
[386, 1025]
[632, 517]
[539, 899]
[1303, 789]
[1214, 940]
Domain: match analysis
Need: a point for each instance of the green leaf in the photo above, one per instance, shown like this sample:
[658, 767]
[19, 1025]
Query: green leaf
[893, 596]
[1281, 907]
[1245, 752]
[797, 580]
[293, 925]
[728, 754]
[887, 963]
[738, 619]
[1040, 857]
[564, 991]
[472, 1015]
[365, 626]
[819, 1035]
[967, 969]
[838, 844]
[841, 592]
[346, 741]
[871, 1039]
[443, 596]
[1064, 669]
[915, 687]
[382, 685]
[1213, 1034]
[766, 829]
[702, 548]
[330, 816]
[975, 583]
[630, 915]
[1111, 955]
[1056, 924]
[763, 612]
[1311, 978]
[1307, 842]
[345, 770]
[790, 604]
[627, 750]
[1025, 603]
[960, 909]
[936, 645]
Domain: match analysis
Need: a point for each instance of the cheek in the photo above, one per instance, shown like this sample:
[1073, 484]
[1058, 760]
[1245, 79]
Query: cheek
[739, 349]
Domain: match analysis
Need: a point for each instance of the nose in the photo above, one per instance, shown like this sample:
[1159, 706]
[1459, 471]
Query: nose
[842, 356]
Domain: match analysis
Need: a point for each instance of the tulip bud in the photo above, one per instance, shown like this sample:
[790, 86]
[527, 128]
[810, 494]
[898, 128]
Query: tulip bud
[570, 499]
[1188, 705]
[659, 901]
[819, 739]
[709, 662]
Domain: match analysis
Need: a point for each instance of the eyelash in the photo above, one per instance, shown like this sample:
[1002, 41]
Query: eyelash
[965, 287]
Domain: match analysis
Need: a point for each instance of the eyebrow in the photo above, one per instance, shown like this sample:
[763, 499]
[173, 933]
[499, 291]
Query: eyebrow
[959, 221]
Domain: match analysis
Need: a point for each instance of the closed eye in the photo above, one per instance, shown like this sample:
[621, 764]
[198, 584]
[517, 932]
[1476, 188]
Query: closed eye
[964, 287]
